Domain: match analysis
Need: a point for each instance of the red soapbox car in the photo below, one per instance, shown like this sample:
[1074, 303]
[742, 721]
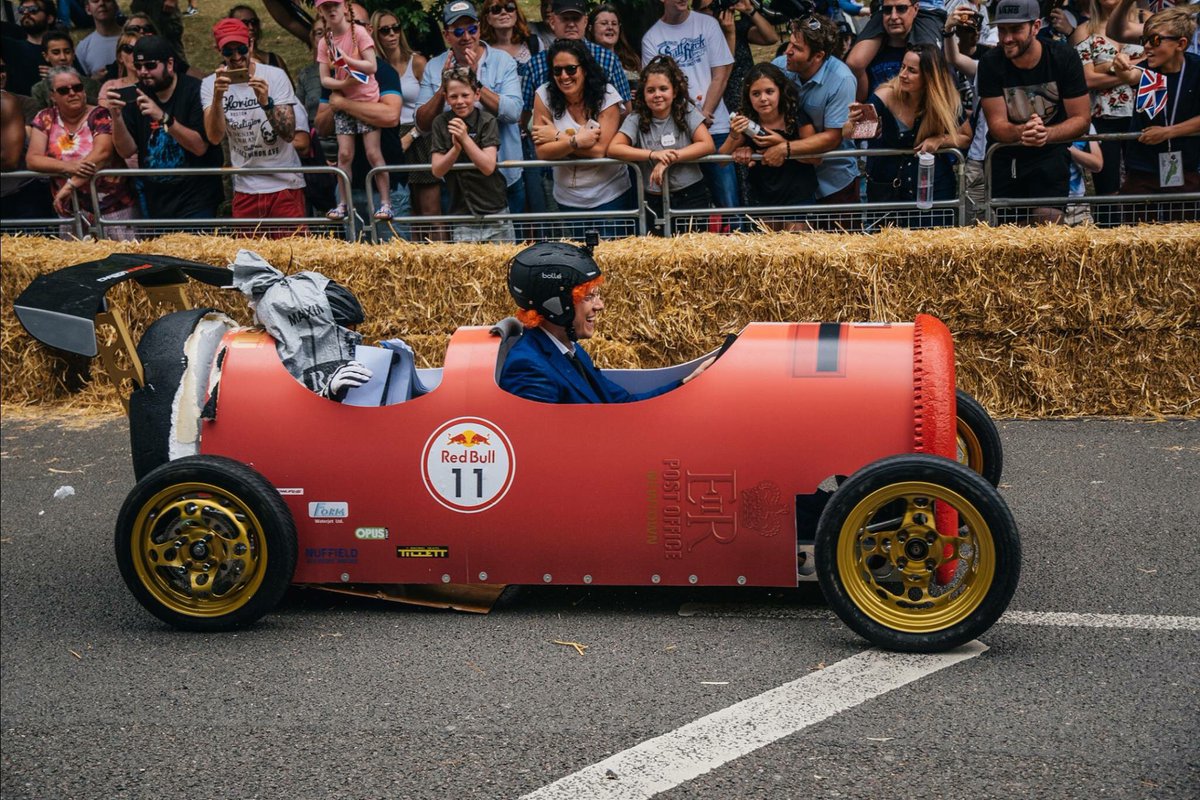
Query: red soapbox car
[837, 452]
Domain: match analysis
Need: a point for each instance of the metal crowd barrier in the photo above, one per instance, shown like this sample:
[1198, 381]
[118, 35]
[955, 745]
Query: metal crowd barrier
[569, 224]
[52, 225]
[217, 223]
[1104, 210]
[865, 216]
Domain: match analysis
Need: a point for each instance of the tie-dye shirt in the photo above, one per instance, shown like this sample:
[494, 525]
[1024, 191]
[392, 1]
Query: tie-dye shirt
[68, 146]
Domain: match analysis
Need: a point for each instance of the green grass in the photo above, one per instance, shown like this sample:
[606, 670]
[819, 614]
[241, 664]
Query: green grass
[198, 41]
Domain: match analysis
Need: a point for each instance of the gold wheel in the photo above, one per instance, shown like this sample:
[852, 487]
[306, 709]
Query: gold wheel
[969, 450]
[890, 552]
[198, 550]
[205, 543]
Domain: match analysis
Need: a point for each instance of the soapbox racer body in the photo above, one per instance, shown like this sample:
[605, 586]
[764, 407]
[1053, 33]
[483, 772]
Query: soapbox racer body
[806, 451]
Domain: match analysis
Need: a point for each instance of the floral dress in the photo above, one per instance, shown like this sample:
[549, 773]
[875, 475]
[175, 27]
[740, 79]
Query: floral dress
[67, 146]
[1117, 102]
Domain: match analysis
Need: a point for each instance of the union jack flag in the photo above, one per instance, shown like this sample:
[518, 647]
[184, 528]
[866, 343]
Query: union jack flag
[1156, 6]
[1152, 93]
[339, 60]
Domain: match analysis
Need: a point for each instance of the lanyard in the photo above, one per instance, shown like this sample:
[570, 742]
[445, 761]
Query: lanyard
[1175, 105]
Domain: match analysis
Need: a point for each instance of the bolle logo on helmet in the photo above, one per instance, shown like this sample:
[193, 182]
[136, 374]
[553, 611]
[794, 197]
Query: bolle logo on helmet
[552, 276]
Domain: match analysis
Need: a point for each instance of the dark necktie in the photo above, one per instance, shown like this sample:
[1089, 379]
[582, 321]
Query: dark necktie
[587, 376]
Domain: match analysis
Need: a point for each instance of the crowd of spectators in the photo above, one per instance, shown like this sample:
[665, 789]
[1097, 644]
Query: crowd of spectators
[936, 77]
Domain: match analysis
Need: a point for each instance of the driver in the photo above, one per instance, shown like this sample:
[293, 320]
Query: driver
[557, 286]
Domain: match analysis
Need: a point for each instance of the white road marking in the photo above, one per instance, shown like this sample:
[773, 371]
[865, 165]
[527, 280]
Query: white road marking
[1061, 619]
[666, 761]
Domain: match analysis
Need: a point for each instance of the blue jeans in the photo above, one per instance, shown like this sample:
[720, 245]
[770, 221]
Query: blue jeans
[608, 228]
[721, 178]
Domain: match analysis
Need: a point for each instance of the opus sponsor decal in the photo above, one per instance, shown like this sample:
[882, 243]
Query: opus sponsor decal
[371, 533]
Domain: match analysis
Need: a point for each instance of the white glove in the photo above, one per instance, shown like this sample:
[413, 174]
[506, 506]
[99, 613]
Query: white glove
[348, 376]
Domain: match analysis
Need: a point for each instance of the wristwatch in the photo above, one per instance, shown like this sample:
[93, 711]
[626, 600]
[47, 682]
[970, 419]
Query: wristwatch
[270, 103]
[1112, 69]
[167, 119]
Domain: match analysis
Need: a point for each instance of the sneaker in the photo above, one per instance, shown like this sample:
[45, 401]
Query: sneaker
[384, 213]
[191, 12]
[338, 212]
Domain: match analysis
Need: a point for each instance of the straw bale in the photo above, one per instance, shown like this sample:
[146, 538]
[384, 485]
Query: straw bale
[1048, 321]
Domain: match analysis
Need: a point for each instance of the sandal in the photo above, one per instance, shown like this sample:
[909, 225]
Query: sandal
[338, 212]
[384, 213]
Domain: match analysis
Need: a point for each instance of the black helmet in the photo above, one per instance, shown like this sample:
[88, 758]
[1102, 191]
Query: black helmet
[344, 305]
[541, 277]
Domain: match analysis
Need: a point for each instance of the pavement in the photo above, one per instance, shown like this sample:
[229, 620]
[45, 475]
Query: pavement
[1086, 689]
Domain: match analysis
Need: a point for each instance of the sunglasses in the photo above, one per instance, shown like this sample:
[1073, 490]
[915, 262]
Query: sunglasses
[127, 49]
[898, 9]
[148, 65]
[500, 9]
[74, 88]
[34, 9]
[388, 30]
[812, 23]
[461, 32]
[1155, 39]
[570, 69]
[230, 50]
[140, 29]
[252, 23]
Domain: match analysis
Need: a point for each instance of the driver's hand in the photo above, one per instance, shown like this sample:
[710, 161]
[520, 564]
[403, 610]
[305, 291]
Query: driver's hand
[705, 364]
[348, 376]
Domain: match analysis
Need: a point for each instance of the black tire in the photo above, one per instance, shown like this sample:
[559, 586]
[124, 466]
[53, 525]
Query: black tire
[978, 440]
[206, 544]
[864, 571]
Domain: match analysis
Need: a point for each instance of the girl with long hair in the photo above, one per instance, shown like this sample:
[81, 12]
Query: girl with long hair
[575, 115]
[919, 109]
[770, 102]
[347, 64]
[665, 128]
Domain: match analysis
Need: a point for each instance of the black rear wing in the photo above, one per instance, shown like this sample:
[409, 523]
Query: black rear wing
[63, 309]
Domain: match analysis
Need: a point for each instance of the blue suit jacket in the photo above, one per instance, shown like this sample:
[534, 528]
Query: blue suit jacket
[536, 370]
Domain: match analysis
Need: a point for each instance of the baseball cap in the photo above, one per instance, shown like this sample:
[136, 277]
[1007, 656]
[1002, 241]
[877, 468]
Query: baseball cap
[1016, 11]
[152, 48]
[569, 7]
[457, 10]
[323, 2]
[230, 30]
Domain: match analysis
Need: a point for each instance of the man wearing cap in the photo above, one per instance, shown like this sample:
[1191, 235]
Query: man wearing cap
[500, 93]
[1034, 95]
[258, 114]
[161, 120]
[568, 20]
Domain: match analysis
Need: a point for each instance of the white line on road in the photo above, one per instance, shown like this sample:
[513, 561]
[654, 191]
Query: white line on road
[690, 751]
[1062, 619]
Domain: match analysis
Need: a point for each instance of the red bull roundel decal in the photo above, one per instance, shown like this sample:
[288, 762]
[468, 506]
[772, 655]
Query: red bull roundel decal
[468, 464]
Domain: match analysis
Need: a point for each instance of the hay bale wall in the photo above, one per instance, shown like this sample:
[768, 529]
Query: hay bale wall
[1050, 321]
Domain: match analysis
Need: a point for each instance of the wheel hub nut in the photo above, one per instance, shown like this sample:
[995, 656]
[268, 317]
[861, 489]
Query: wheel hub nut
[916, 549]
[199, 551]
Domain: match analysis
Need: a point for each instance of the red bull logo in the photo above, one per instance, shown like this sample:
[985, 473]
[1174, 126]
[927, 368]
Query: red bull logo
[467, 438]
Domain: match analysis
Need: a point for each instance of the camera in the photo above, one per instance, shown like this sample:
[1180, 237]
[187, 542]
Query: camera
[781, 11]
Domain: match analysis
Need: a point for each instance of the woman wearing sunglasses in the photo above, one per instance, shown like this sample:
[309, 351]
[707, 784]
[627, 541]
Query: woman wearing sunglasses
[504, 27]
[71, 141]
[575, 115]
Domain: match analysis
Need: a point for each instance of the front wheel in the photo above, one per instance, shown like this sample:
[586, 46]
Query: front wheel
[977, 439]
[917, 553]
[206, 544]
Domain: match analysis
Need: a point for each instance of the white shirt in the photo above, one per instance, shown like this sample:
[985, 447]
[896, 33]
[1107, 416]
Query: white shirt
[252, 140]
[698, 45]
[589, 185]
[96, 52]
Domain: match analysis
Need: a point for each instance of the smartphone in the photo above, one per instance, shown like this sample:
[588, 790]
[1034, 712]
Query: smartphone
[238, 75]
[867, 126]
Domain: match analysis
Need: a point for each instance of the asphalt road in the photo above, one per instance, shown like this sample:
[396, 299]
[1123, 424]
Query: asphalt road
[334, 697]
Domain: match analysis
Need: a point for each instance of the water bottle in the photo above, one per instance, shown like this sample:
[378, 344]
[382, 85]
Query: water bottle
[925, 181]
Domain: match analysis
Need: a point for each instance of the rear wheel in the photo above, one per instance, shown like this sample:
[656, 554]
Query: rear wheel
[978, 440]
[917, 553]
[206, 544]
